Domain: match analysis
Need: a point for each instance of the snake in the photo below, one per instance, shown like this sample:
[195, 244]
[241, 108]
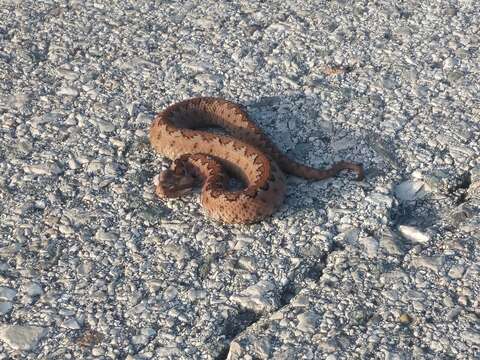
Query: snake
[206, 159]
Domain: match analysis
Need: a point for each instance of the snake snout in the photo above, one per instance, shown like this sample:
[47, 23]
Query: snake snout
[170, 184]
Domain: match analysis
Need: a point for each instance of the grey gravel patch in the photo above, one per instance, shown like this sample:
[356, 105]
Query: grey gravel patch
[386, 267]
[472, 336]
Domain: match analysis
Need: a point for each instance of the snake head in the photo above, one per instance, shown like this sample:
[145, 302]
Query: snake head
[174, 182]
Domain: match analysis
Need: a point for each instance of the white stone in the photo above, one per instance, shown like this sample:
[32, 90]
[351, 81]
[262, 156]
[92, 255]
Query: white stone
[33, 289]
[148, 331]
[433, 263]
[370, 244]
[409, 190]
[413, 234]
[472, 337]
[168, 352]
[7, 293]
[390, 245]
[5, 307]
[71, 323]
[65, 229]
[139, 339]
[262, 347]
[456, 271]
[98, 351]
[68, 91]
[22, 337]
[307, 321]
[258, 297]
[196, 294]
[170, 293]
[102, 235]
[380, 200]
[43, 169]
[67, 74]
[103, 125]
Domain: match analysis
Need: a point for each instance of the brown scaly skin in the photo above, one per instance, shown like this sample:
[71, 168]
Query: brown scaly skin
[202, 157]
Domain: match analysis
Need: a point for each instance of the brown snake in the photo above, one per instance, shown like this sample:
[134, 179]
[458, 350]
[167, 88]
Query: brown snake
[202, 157]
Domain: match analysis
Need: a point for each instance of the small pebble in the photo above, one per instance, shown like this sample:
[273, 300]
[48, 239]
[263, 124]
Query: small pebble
[413, 234]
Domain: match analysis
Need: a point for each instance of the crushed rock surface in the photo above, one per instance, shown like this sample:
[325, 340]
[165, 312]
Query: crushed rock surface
[93, 265]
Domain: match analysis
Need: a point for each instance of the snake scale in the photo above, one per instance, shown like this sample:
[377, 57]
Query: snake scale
[205, 158]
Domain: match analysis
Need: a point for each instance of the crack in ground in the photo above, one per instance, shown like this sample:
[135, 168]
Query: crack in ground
[236, 325]
[460, 189]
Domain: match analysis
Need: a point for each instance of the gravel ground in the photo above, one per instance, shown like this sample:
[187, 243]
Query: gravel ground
[93, 265]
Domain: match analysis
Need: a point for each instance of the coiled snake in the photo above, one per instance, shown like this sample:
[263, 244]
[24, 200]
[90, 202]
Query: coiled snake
[202, 157]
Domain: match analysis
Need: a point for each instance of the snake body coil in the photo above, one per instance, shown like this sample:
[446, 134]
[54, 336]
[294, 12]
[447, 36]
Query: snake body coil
[205, 157]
